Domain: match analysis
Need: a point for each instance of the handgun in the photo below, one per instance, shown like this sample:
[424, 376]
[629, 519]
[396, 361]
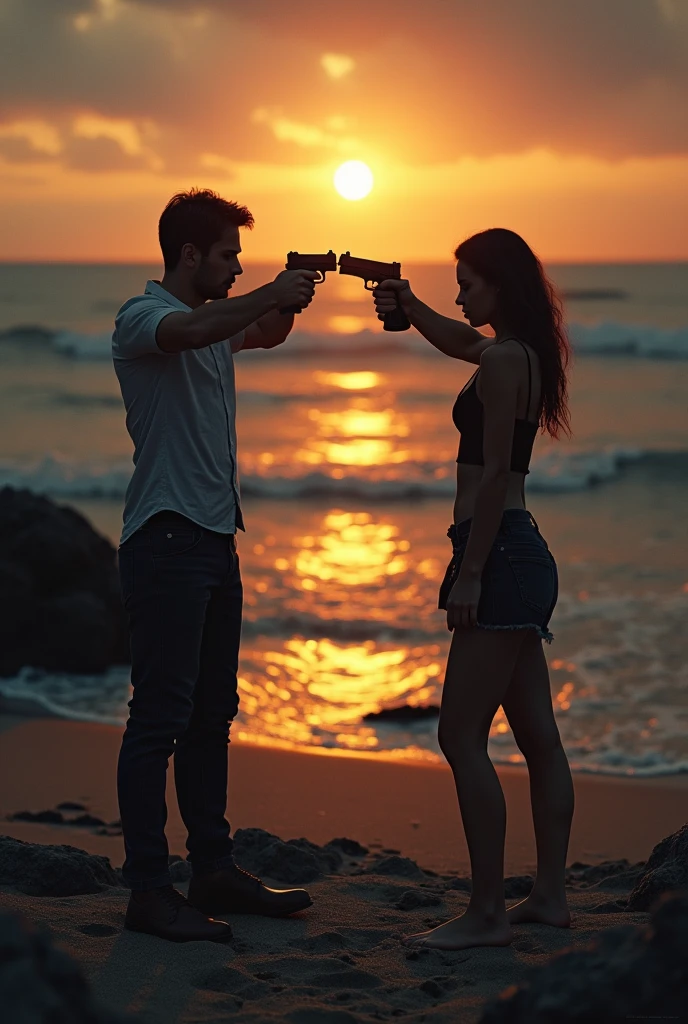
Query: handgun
[374, 272]
[320, 261]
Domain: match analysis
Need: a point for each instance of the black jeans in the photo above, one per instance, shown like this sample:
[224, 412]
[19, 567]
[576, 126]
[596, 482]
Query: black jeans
[182, 589]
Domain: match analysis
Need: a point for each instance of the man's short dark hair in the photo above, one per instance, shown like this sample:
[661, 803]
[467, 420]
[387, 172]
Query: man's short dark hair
[199, 216]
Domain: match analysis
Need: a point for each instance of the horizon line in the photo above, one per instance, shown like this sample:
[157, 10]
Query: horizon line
[267, 261]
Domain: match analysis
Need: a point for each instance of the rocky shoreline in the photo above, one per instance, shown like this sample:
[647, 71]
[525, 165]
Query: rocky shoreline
[633, 918]
[60, 606]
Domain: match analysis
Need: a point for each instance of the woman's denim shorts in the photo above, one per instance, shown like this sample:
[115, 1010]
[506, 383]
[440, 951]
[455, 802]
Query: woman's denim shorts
[519, 581]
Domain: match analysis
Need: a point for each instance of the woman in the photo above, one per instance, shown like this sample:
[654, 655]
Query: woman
[501, 585]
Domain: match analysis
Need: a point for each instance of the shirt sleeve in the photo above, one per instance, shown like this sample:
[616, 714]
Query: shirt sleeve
[136, 325]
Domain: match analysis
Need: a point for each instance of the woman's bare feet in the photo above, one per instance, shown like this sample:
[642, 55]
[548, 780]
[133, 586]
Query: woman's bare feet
[463, 933]
[540, 910]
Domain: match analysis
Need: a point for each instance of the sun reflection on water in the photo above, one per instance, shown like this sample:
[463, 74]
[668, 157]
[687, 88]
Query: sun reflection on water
[364, 437]
[344, 324]
[352, 550]
[355, 422]
[361, 380]
[316, 692]
[358, 452]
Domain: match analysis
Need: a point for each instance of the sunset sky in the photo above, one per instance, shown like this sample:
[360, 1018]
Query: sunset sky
[563, 120]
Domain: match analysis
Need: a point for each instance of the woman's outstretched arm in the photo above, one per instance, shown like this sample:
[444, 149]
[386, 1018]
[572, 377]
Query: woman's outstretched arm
[455, 339]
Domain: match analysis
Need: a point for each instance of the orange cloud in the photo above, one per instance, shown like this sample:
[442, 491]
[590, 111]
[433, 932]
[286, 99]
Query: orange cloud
[474, 113]
[436, 81]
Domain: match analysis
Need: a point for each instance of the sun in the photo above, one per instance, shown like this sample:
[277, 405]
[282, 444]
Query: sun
[353, 180]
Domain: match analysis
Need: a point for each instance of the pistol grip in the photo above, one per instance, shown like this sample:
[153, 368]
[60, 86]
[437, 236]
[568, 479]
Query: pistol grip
[291, 309]
[396, 320]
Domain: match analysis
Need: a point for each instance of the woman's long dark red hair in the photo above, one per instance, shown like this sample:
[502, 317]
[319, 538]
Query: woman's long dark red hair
[531, 308]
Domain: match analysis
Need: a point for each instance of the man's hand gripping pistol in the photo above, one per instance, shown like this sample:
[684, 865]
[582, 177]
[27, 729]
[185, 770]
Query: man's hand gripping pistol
[319, 262]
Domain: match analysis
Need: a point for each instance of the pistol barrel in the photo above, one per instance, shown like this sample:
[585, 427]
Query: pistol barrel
[368, 270]
[321, 261]
[373, 272]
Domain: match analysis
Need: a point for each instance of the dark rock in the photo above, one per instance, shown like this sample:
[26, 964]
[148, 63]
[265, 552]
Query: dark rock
[610, 874]
[517, 885]
[86, 821]
[412, 899]
[42, 817]
[628, 972]
[264, 854]
[625, 880]
[53, 870]
[402, 866]
[460, 884]
[60, 607]
[438, 986]
[75, 631]
[665, 871]
[16, 592]
[608, 907]
[41, 984]
[349, 847]
[180, 871]
[328, 858]
[404, 714]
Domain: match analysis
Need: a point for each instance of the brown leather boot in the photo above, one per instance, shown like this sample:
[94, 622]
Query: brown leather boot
[235, 891]
[165, 912]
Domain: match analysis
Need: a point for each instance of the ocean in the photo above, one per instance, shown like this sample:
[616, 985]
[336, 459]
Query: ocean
[347, 453]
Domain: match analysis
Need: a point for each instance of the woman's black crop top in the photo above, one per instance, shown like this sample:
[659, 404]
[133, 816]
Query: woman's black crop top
[468, 419]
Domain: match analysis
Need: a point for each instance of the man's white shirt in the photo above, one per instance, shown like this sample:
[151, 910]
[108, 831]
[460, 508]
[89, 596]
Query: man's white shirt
[180, 414]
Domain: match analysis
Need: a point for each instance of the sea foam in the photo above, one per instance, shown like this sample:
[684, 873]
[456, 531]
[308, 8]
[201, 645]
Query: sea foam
[555, 471]
[605, 339]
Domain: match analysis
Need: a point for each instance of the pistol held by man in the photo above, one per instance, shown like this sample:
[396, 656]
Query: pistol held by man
[320, 262]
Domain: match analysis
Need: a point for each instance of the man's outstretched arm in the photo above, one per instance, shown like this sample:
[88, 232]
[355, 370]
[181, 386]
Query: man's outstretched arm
[223, 318]
[269, 331]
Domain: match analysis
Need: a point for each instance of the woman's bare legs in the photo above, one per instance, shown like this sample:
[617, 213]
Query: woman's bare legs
[479, 671]
[528, 708]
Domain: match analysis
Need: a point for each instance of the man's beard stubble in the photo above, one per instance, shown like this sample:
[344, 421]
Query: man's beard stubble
[208, 288]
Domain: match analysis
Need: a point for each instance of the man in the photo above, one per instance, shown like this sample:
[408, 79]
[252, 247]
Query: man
[179, 570]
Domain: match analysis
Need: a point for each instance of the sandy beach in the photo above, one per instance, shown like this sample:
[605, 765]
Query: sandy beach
[342, 960]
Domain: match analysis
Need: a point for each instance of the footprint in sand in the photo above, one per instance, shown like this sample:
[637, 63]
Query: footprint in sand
[98, 931]
[351, 938]
[525, 946]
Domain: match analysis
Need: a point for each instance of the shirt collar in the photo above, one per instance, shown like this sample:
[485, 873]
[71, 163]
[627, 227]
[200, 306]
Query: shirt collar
[155, 288]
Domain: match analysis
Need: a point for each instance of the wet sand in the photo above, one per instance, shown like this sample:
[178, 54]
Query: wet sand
[407, 807]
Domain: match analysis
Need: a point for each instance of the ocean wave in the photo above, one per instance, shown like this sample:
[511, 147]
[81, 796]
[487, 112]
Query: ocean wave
[605, 339]
[554, 472]
[62, 477]
[103, 700]
[639, 340]
[40, 694]
[558, 471]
